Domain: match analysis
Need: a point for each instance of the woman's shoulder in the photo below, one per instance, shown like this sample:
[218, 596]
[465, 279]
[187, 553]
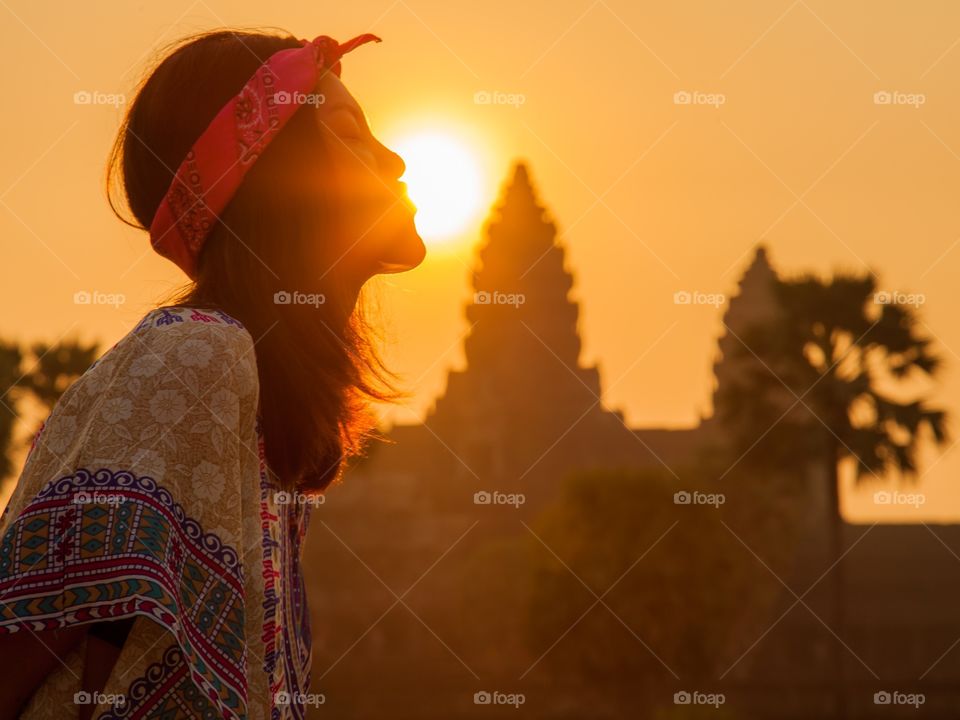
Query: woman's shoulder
[181, 379]
[197, 344]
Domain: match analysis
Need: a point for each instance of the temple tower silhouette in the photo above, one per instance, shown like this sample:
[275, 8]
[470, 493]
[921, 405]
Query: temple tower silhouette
[754, 304]
[523, 393]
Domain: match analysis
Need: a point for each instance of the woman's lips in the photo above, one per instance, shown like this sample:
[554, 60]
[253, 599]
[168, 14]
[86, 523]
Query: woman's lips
[402, 193]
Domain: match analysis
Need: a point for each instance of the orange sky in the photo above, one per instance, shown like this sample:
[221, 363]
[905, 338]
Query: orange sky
[652, 196]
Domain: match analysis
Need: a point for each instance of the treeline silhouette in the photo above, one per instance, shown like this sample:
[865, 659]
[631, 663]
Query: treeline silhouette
[39, 372]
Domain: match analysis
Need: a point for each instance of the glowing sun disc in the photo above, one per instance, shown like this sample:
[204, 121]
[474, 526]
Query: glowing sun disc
[443, 181]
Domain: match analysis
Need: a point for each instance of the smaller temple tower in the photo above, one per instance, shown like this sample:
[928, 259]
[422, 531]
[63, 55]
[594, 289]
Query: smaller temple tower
[754, 304]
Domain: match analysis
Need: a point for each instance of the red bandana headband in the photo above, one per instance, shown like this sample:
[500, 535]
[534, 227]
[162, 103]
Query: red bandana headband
[215, 166]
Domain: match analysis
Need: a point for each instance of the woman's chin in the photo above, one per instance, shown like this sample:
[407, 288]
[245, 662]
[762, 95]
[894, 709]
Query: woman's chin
[404, 253]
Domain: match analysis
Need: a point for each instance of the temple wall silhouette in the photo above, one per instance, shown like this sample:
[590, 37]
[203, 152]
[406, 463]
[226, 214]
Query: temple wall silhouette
[525, 412]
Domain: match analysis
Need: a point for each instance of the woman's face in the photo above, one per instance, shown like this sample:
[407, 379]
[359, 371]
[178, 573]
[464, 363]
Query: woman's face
[375, 215]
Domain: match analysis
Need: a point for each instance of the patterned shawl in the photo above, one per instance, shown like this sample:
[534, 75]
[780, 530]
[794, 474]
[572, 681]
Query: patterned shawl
[146, 495]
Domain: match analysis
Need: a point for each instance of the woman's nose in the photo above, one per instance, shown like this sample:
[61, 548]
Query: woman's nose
[392, 164]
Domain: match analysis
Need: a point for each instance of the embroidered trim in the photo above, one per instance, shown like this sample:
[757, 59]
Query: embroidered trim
[177, 314]
[164, 690]
[111, 544]
[286, 625]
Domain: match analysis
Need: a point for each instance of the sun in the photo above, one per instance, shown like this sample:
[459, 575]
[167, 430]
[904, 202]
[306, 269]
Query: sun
[443, 180]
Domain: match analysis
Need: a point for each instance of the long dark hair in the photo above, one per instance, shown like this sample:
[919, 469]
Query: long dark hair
[318, 365]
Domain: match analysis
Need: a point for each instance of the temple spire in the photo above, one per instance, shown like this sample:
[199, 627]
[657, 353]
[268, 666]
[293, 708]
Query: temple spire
[754, 304]
[523, 387]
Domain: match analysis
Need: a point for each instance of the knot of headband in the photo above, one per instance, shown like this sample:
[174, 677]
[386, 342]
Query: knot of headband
[217, 162]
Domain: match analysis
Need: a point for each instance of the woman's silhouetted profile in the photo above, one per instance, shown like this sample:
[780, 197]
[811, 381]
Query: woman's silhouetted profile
[150, 555]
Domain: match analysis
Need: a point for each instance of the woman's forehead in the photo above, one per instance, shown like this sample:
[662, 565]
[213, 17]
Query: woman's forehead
[334, 92]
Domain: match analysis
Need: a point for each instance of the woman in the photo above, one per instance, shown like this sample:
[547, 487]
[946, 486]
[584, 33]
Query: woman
[150, 555]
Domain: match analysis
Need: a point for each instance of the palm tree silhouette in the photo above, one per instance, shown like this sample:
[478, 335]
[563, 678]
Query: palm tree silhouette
[810, 388]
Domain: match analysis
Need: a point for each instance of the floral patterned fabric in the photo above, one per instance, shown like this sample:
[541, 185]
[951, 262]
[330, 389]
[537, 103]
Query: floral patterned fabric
[146, 495]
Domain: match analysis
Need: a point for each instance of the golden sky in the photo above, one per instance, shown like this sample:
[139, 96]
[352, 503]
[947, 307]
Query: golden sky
[785, 142]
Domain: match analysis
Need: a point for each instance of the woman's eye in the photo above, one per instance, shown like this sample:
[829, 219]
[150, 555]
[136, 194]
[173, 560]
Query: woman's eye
[350, 133]
[358, 147]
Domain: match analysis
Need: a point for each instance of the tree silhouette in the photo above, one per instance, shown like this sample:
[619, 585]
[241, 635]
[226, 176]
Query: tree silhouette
[10, 359]
[679, 594]
[56, 367]
[808, 391]
[52, 369]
